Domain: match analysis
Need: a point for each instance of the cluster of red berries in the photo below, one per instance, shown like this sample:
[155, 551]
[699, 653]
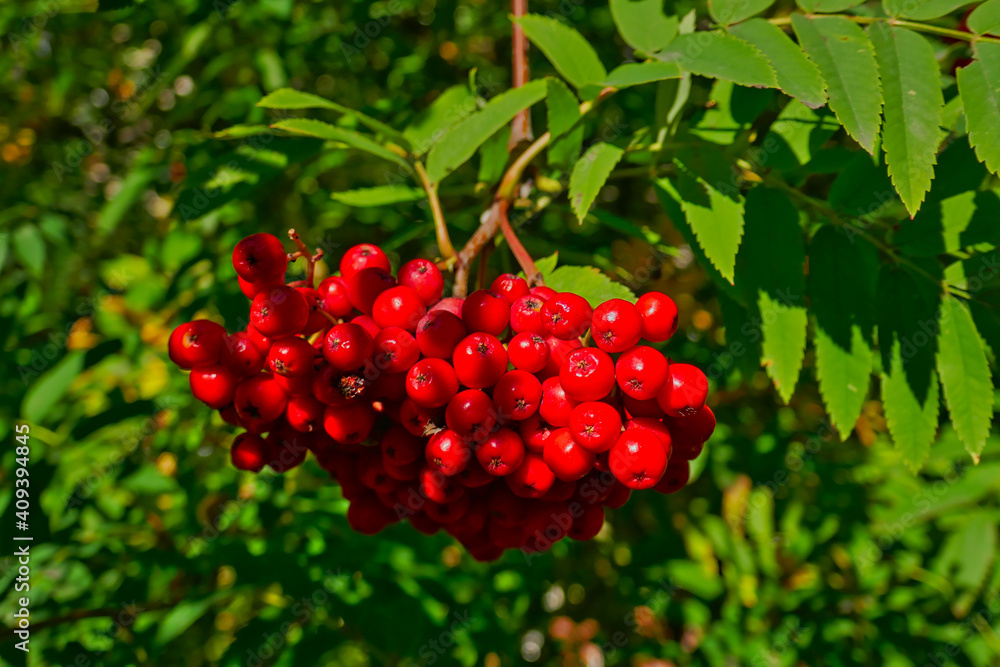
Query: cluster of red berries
[485, 416]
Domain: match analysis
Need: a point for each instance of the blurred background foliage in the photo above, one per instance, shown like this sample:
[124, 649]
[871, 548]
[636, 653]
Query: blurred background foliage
[789, 548]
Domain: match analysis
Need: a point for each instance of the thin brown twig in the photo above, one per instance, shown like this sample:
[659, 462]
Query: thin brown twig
[520, 129]
[303, 251]
[440, 228]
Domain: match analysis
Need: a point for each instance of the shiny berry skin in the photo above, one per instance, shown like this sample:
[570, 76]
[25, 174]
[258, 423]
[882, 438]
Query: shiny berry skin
[656, 427]
[249, 452]
[363, 256]
[260, 258]
[502, 453]
[451, 304]
[197, 343]
[566, 316]
[260, 400]
[240, 356]
[287, 449]
[517, 395]
[675, 478]
[566, 458]
[279, 312]
[556, 405]
[215, 386]
[587, 374]
[637, 408]
[291, 356]
[424, 278]
[399, 307]
[250, 290]
[532, 479]
[439, 333]
[367, 322]
[436, 486]
[638, 459]
[526, 315]
[346, 346]
[480, 360]
[299, 385]
[689, 434]
[259, 340]
[616, 326]
[641, 372]
[535, 433]
[334, 296]
[365, 286]
[528, 352]
[588, 524]
[336, 387]
[400, 446]
[486, 311]
[431, 383]
[448, 453]
[395, 350]
[418, 420]
[304, 413]
[317, 320]
[510, 287]
[471, 414]
[596, 426]
[684, 392]
[659, 316]
[349, 425]
[558, 349]
[542, 292]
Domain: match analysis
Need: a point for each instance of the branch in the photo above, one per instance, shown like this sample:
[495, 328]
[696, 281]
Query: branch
[912, 25]
[523, 258]
[520, 129]
[303, 251]
[440, 228]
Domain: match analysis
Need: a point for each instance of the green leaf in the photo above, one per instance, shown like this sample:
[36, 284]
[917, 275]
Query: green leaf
[320, 130]
[563, 111]
[461, 141]
[547, 265]
[771, 272]
[978, 540]
[862, 187]
[180, 618]
[842, 277]
[634, 74]
[715, 219]
[588, 282]
[29, 247]
[965, 376]
[131, 190]
[589, 175]
[796, 134]
[797, 75]
[827, 6]
[979, 86]
[568, 51]
[728, 12]
[921, 10]
[846, 59]
[911, 89]
[951, 224]
[287, 98]
[45, 392]
[450, 108]
[242, 131]
[643, 24]
[722, 56]
[985, 19]
[912, 423]
[494, 156]
[379, 196]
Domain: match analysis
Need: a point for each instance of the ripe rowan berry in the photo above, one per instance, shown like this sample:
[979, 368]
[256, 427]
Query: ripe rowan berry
[400, 446]
[317, 319]
[510, 287]
[486, 311]
[532, 479]
[304, 413]
[588, 524]
[641, 372]
[587, 374]
[286, 449]
[473, 476]
[542, 292]
[424, 278]
[250, 290]
[347, 345]
[240, 356]
[659, 316]
[638, 459]
[291, 356]
[558, 349]
[517, 395]
[566, 316]
[398, 307]
[439, 333]
[336, 387]
[471, 414]
[528, 352]
[618, 496]
[451, 304]
[396, 350]
[419, 421]
[675, 478]
[364, 287]
[595, 425]
[258, 340]
[279, 312]
[526, 315]
[334, 295]
[259, 399]
[448, 452]
[197, 343]
[685, 391]
[431, 383]
[260, 258]
[556, 406]
[349, 425]
[567, 458]
[616, 326]
[249, 452]
[363, 256]
[501, 453]
[480, 360]
[215, 386]
[656, 427]
[299, 385]
[534, 433]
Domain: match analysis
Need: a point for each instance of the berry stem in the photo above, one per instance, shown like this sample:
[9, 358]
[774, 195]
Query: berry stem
[520, 129]
[440, 228]
[531, 272]
[303, 251]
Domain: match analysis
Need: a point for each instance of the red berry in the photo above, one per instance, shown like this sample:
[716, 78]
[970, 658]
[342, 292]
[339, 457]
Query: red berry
[370, 471]
[470, 413]
[618, 496]
[517, 395]
[240, 356]
[675, 478]
[287, 449]
[567, 459]
[451, 304]
[487, 311]
[532, 479]
[448, 513]
[587, 374]
[535, 433]
[510, 287]
[334, 296]
[526, 315]
[291, 356]
[480, 360]
[566, 316]
[502, 453]
[336, 387]
[558, 349]
[556, 405]
[616, 326]
[395, 350]
[213, 385]
[689, 434]
[448, 452]
[260, 400]
[596, 426]
[424, 278]
[250, 290]
[638, 459]
[197, 343]
[684, 392]
[473, 476]
[304, 413]
[431, 383]
[641, 372]
[363, 256]
[249, 452]
[279, 312]
[418, 420]
[638, 408]
[542, 292]
[365, 286]
[439, 333]
[259, 340]
[317, 320]
[587, 525]
[367, 516]
[659, 316]
[656, 427]
[399, 307]
[438, 487]
[260, 258]
[346, 346]
[367, 322]
[349, 425]
[528, 352]
[299, 385]
[400, 446]
[388, 386]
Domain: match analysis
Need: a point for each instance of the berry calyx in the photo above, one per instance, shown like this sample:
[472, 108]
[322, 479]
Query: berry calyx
[566, 316]
[641, 372]
[587, 374]
[281, 311]
[616, 326]
[638, 459]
